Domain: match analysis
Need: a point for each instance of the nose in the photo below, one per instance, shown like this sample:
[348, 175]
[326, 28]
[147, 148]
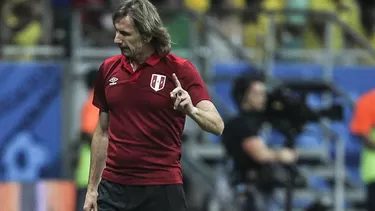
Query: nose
[117, 39]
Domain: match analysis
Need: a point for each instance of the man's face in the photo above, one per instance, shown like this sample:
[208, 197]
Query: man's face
[128, 37]
[256, 96]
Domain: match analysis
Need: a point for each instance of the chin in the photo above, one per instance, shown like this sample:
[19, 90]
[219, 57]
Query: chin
[127, 54]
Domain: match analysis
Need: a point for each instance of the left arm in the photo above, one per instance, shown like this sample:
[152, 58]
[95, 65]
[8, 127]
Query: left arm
[193, 99]
[207, 117]
[204, 113]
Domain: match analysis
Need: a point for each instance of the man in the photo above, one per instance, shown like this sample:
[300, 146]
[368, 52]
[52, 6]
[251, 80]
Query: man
[144, 95]
[362, 125]
[245, 146]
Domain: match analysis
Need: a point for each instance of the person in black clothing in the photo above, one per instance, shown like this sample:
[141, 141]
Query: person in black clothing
[243, 143]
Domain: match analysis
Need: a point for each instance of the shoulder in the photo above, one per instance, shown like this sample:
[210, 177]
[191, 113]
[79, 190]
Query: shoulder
[113, 59]
[173, 58]
[184, 69]
[110, 63]
[179, 63]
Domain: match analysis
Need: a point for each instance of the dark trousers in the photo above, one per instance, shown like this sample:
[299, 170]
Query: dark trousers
[116, 197]
[371, 196]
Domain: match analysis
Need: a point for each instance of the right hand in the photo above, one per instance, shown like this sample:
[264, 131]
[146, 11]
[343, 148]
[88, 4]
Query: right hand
[287, 155]
[91, 201]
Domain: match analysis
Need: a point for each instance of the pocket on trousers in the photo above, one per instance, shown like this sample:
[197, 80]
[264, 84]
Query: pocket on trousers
[108, 197]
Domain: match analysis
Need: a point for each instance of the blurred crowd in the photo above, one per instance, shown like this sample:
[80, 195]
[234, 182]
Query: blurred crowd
[34, 22]
[22, 23]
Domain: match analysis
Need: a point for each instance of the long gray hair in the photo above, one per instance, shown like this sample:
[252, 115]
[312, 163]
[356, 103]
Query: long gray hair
[147, 21]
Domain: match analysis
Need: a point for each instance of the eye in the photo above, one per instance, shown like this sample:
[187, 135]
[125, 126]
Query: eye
[123, 33]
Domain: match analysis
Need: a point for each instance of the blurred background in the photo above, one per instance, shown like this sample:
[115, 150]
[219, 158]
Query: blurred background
[50, 51]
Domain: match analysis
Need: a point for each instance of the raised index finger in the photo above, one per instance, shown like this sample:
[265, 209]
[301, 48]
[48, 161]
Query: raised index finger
[176, 81]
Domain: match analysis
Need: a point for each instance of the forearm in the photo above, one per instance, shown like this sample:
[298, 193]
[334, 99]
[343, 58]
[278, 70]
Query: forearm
[272, 155]
[266, 156]
[99, 147]
[209, 121]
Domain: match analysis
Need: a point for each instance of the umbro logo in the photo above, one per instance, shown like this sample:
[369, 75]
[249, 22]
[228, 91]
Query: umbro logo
[113, 81]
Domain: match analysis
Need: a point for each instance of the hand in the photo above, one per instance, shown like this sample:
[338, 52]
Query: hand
[91, 201]
[287, 155]
[181, 98]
